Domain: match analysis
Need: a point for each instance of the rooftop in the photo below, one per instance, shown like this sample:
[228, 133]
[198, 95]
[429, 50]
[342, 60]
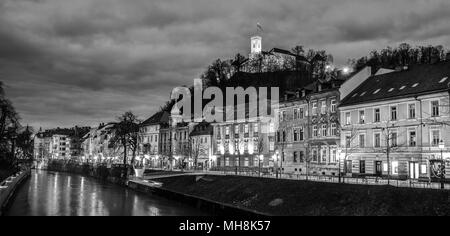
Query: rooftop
[158, 118]
[411, 81]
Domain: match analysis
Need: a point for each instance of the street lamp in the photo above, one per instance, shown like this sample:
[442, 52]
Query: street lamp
[442, 170]
[275, 157]
[261, 158]
[339, 152]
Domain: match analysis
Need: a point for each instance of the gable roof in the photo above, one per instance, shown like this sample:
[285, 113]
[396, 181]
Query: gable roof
[415, 80]
[203, 128]
[158, 118]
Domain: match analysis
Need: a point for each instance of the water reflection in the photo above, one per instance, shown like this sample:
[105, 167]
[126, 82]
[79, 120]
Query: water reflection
[61, 194]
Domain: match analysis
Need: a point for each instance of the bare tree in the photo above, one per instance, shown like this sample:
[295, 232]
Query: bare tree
[349, 146]
[125, 135]
[195, 150]
[260, 151]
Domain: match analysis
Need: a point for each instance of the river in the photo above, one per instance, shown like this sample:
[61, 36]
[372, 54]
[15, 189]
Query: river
[62, 194]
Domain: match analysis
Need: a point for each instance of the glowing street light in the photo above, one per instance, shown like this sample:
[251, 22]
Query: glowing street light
[261, 158]
[346, 70]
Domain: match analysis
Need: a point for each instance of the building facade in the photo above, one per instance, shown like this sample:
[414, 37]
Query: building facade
[150, 138]
[244, 144]
[201, 147]
[398, 124]
[308, 130]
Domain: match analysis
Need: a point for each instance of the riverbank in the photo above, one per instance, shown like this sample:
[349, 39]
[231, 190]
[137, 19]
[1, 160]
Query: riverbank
[9, 186]
[302, 198]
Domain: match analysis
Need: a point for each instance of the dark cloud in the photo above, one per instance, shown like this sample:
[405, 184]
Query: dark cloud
[86, 61]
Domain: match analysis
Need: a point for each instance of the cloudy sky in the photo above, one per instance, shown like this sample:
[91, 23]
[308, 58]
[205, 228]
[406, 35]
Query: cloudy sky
[67, 62]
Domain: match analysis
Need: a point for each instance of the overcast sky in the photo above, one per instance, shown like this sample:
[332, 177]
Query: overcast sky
[81, 62]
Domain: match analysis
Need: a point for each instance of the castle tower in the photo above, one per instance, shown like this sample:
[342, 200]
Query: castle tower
[256, 45]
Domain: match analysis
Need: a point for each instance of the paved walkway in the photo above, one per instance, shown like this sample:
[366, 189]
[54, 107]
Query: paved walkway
[325, 179]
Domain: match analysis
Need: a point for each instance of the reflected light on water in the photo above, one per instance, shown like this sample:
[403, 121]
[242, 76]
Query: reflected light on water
[62, 194]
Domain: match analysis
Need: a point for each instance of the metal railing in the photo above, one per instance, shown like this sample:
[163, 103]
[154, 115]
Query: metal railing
[409, 183]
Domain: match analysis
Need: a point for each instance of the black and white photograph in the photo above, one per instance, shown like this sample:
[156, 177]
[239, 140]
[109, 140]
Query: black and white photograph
[243, 109]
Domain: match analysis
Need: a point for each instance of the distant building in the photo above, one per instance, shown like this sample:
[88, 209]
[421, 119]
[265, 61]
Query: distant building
[264, 61]
[150, 138]
[398, 124]
[201, 147]
[59, 143]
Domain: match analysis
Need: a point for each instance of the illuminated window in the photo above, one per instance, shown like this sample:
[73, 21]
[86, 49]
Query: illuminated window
[324, 131]
[334, 129]
[361, 117]
[394, 167]
[314, 108]
[333, 156]
[323, 108]
[348, 118]
[333, 105]
[324, 156]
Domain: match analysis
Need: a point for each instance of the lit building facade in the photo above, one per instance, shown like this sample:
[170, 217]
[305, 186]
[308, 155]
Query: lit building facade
[398, 124]
[244, 144]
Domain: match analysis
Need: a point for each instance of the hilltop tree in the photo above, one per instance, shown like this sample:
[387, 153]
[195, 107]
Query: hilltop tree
[217, 73]
[403, 55]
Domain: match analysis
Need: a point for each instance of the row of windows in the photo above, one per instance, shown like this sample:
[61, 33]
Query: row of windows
[239, 146]
[323, 130]
[392, 136]
[237, 130]
[393, 113]
[301, 112]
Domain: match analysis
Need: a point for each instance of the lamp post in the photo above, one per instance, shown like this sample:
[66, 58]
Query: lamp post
[339, 164]
[442, 170]
[260, 159]
[276, 162]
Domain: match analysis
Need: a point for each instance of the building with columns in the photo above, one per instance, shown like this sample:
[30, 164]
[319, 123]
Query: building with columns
[398, 124]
